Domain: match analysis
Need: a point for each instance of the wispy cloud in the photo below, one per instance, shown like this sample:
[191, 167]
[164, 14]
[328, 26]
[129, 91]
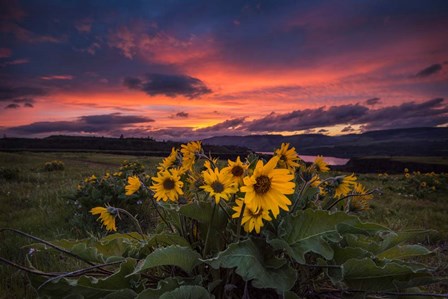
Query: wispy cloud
[168, 85]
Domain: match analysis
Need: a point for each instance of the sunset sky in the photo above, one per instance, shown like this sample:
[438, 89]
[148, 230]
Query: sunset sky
[193, 69]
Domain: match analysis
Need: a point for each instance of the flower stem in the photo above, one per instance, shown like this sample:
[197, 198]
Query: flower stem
[299, 197]
[240, 219]
[160, 215]
[208, 231]
[137, 224]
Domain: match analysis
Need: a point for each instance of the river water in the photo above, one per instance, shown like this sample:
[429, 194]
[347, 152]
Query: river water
[329, 160]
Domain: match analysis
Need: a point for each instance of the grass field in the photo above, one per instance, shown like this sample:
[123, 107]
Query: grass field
[35, 201]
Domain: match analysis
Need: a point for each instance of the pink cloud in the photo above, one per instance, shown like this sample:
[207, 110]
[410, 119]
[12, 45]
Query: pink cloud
[14, 62]
[5, 52]
[159, 47]
[84, 25]
[57, 77]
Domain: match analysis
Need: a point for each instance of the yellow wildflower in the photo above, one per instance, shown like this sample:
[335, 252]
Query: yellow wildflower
[167, 185]
[168, 161]
[266, 187]
[252, 219]
[236, 170]
[343, 185]
[320, 165]
[189, 152]
[288, 157]
[360, 201]
[218, 184]
[133, 185]
[107, 216]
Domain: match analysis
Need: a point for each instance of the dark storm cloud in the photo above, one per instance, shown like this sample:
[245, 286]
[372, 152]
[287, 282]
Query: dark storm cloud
[307, 119]
[182, 114]
[407, 115]
[347, 129]
[169, 85]
[230, 124]
[410, 114]
[24, 100]
[373, 101]
[8, 93]
[12, 106]
[87, 124]
[113, 119]
[430, 70]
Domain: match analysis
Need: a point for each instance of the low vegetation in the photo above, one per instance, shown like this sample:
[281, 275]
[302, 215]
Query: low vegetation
[47, 204]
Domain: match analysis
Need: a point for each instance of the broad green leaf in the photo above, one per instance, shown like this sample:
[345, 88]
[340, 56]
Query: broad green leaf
[122, 294]
[86, 286]
[167, 285]
[403, 252]
[182, 257]
[187, 292]
[290, 295]
[392, 239]
[202, 212]
[365, 274]
[252, 264]
[310, 230]
[111, 248]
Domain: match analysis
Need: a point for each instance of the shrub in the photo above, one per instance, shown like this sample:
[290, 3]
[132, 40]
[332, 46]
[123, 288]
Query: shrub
[54, 165]
[9, 174]
[252, 229]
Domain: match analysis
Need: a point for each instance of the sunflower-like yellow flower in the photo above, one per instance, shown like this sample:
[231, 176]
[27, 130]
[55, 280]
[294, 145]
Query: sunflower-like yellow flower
[288, 157]
[168, 161]
[343, 185]
[107, 216]
[133, 185]
[251, 219]
[218, 184]
[320, 164]
[360, 202]
[167, 185]
[236, 170]
[90, 179]
[266, 187]
[189, 152]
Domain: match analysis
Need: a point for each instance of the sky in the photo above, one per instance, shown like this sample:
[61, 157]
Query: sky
[184, 70]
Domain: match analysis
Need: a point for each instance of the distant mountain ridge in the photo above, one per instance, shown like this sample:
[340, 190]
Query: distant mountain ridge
[395, 142]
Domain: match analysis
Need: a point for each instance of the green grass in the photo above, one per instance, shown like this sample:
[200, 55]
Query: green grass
[35, 202]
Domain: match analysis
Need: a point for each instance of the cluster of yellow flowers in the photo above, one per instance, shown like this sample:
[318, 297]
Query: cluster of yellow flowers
[256, 193]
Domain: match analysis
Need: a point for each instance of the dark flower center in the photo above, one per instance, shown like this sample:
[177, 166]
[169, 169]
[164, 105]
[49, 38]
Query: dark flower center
[262, 185]
[218, 187]
[237, 170]
[168, 184]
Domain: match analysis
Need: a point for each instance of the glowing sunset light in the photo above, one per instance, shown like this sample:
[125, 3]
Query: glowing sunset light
[238, 68]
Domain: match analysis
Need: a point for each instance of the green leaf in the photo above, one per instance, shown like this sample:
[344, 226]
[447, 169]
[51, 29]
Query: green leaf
[182, 257]
[122, 294]
[365, 274]
[403, 252]
[393, 239]
[202, 212]
[111, 248]
[254, 263]
[187, 292]
[86, 286]
[167, 285]
[310, 230]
